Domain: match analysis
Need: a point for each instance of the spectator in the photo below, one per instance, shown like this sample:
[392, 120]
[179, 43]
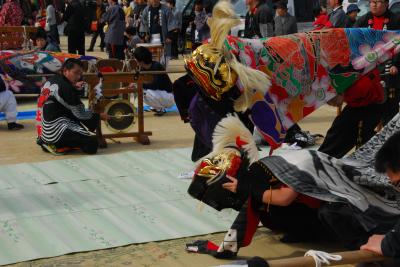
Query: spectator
[351, 15]
[381, 18]
[356, 124]
[137, 13]
[176, 21]
[259, 20]
[202, 31]
[127, 8]
[156, 22]
[100, 9]
[75, 30]
[284, 22]
[337, 16]
[158, 93]
[51, 22]
[11, 14]
[114, 37]
[128, 13]
[321, 19]
[45, 43]
[131, 40]
[27, 11]
[8, 105]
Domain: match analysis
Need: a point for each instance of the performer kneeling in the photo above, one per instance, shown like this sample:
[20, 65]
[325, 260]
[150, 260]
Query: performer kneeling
[63, 123]
[307, 194]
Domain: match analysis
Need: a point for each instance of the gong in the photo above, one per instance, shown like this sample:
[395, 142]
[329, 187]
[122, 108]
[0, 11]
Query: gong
[121, 115]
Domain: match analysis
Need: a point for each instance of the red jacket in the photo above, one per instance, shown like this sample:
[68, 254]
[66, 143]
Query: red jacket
[367, 90]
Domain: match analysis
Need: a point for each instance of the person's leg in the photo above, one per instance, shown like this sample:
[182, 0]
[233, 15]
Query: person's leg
[54, 33]
[184, 89]
[93, 41]
[342, 135]
[72, 139]
[158, 99]
[372, 117]
[8, 105]
[119, 52]
[307, 226]
[81, 44]
[391, 106]
[110, 51]
[199, 149]
[71, 44]
[342, 221]
[174, 45]
[102, 43]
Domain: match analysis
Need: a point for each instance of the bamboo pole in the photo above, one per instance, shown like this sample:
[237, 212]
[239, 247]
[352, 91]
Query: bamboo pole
[348, 257]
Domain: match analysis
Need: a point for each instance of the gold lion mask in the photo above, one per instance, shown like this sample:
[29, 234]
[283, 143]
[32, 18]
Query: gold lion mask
[209, 69]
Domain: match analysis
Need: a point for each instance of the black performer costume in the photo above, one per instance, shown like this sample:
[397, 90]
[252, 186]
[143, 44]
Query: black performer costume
[64, 120]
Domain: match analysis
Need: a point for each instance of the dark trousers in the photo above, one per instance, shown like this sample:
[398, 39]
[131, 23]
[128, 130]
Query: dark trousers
[94, 39]
[54, 33]
[184, 89]
[352, 227]
[391, 106]
[174, 43]
[297, 220]
[76, 43]
[345, 132]
[87, 144]
[116, 51]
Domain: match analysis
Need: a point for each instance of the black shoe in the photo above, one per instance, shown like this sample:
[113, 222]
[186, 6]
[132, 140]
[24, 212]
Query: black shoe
[90, 50]
[13, 126]
[160, 112]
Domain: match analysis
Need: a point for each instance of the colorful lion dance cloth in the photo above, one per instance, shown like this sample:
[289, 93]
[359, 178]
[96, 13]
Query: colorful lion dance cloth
[285, 78]
[15, 65]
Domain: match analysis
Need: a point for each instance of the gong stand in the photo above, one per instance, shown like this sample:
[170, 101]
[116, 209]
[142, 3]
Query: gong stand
[141, 135]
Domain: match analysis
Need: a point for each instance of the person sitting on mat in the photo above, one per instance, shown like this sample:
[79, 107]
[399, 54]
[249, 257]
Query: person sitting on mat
[158, 93]
[63, 123]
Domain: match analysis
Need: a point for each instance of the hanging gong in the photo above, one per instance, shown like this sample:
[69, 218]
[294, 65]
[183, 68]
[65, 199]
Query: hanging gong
[121, 115]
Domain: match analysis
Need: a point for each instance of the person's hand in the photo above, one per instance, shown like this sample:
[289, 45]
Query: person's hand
[168, 41]
[232, 186]
[79, 84]
[336, 101]
[393, 70]
[374, 244]
[104, 116]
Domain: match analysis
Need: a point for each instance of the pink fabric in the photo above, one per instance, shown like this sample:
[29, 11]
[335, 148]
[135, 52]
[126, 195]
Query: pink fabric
[11, 14]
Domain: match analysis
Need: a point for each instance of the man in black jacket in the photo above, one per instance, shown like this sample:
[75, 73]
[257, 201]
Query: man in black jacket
[75, 29]
[158, 92]
[63, 122]
[259, 19]
[337, 17]
[388, 160]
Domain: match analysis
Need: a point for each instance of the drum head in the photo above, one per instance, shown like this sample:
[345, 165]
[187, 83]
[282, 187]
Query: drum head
[121, 113]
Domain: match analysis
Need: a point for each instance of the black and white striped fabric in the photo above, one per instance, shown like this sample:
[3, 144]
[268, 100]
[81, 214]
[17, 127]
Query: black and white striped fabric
[351, 179]
[63, 110]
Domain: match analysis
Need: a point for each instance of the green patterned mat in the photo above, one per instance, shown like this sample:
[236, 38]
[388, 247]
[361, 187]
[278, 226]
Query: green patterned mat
[89, 203]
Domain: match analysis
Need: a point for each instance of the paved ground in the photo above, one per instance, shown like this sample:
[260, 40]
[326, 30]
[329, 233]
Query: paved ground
[168, 131]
